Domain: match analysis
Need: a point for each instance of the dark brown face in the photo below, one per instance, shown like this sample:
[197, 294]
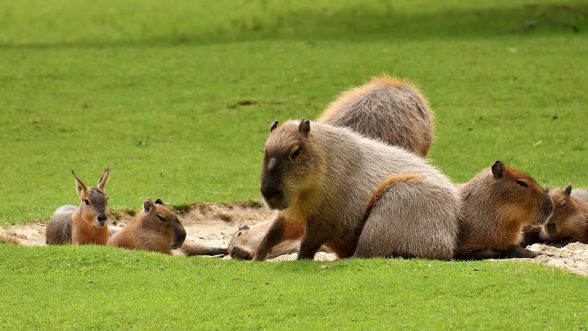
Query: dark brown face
[524, 197]
[563, 209]
[285, 164]
[162, 221]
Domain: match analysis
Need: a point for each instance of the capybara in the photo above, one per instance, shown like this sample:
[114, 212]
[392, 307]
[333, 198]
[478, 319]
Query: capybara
[569, 220]
[246, 240]
[155, 228]
[322, 177]
[387, 109]
[496, 204]
[85, 224]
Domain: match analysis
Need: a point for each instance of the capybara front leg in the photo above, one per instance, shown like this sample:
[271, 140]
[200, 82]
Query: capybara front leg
[274, 236]
[311, 242]
[481, 254]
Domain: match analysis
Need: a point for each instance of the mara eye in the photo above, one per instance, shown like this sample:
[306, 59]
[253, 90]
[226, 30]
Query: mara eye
[87, 202]
[295, 153]
[522, 183]
[161, 218]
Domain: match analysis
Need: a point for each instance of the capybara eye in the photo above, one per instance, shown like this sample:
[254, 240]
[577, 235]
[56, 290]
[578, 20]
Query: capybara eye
[87, 202]
[564, 204]
[522, 183]
[161, 218]
[295, 153]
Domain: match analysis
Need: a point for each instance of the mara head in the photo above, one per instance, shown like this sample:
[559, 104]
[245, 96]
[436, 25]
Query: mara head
[564, 207]
[161, 222]
[520, 194]
[94, 201]
[288, 163]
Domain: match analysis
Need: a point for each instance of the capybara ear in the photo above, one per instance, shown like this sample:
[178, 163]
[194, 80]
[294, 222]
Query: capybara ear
[81, 188]
[274, 125]
[568, 189]
[103, 179]
[243, 227]
[304, 126]
[159, 202]
[498, 170]
[148, 205]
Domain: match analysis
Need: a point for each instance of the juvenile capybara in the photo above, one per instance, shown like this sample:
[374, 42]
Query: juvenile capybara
[155, 228]
[83, 224]
[322, 177]
[496, 204]
[569, 220]
[387, 109]
[246, 240]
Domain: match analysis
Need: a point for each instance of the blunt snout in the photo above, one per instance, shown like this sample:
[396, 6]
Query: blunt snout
[547, 209]
[179, 236]
[270, 191]
[102, 219]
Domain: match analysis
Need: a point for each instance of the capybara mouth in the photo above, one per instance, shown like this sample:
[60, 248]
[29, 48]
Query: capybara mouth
[551, 228]
[239, 253]
[279, 204]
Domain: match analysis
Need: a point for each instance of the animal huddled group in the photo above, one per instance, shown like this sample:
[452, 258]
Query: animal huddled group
[356, 182]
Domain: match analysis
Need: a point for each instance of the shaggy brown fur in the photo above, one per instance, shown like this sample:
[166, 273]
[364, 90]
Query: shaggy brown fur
[155, 228]
[85, 224]
[387, 109]
[496, 204]
[569, 221]
[322, 178]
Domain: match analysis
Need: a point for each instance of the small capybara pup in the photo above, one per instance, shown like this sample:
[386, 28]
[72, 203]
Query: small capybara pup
[496, 204]
[568, 222]
[387, 109]
[155, 228]
[322, 177]
[84, 224]
[246, 240]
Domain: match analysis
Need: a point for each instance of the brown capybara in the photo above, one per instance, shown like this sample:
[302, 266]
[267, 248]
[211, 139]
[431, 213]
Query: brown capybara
[322, 177]
[569, 220]
[83, 224]
[387, 109]
[155, 228]
[496, 204]
[246, 240]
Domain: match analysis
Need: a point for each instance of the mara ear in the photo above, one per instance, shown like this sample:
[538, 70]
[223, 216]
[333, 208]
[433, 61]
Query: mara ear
[103, 179]
[148, 205]
[304, 126]
[498, 170]
[159, 202]
[568, 189]
[243, 227]
[81, 188]
[274, 125]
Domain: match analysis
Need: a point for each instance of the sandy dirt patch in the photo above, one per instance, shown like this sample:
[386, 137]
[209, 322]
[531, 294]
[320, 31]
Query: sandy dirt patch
[215, 224]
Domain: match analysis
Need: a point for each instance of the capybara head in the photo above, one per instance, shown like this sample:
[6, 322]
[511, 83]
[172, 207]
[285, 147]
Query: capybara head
[519, 194]
[237, 248]
[157, 220]
[94, 200]
[560, 221]
[288, 163]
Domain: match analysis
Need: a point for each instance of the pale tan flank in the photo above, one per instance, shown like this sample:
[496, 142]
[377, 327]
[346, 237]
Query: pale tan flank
[322, 177]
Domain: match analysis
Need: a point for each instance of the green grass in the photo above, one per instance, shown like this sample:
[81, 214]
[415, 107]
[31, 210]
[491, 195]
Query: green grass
[176, 99]
[104, 288]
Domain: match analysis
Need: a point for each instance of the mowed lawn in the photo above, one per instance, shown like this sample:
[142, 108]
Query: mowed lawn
[177, 97]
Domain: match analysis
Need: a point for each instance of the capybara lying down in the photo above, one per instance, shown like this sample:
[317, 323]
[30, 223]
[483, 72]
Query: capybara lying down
[156, 228]
[496, 204]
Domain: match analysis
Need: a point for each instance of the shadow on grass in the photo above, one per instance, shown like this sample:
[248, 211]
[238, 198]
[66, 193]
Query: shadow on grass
[358, 24]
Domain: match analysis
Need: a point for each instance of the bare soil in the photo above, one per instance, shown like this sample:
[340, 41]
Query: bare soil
[215, 224]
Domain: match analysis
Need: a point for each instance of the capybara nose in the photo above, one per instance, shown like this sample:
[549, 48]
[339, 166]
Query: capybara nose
[270, 192]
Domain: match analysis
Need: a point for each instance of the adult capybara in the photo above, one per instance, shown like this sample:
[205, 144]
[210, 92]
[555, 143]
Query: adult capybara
[387, 109]
[322, 177]
[496, 204]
